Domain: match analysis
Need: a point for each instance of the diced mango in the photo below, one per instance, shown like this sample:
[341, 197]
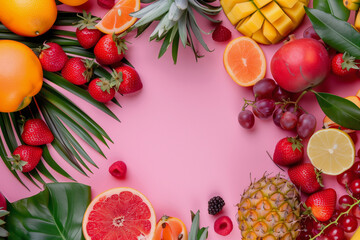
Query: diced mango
[287, 3]
[357, 21]
[259, 37]
[261, 3]
[241, 27]
[227, 5]
[272, 12]
[240, 11]
[305, 2]
[351, 4]
[284, 25]
[254, 23]
[270, 32]
[296, 13]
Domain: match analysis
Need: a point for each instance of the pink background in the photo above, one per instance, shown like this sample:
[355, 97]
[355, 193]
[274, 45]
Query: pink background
[179, 135]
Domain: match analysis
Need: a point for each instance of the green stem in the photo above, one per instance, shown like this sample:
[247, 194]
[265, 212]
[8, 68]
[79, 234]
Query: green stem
[299, 98]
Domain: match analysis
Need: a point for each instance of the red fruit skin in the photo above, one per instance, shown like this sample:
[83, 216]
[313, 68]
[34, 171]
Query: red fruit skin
[29, 154]
[304, 177]
[88, 37]
[106, 3]
[322, 204]
[118, 169]
[300, 64]
[36, 133]
[131, 80]
[223, 226]
[336, 67]
[221, 34]
[3, 205]
[284, 155]
[98, 94]
[53, 59]
[106, 52]
[73, 71]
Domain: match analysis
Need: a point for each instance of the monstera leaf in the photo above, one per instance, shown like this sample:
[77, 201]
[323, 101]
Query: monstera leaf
[54, 214]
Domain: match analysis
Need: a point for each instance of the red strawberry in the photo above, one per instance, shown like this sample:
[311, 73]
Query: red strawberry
[78, 71]
[118, 169]
[52, 57]
[110, 49]
[221, 34]
[306, 177]
[36, 133]
[106, 3]
[343, 64]
[101, 90]
[322, 204]
[86, 32]
[288, 151]
[25, 158]
[129, 81]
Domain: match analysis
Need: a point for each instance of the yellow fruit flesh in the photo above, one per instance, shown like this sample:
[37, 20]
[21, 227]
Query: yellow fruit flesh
[227, 5]
[294, 12]
[357, 21]
[261, 3]
[352, 4]
[286, 3]
[240, 11]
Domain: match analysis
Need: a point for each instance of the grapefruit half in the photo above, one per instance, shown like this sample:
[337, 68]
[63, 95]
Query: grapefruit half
[119, 214]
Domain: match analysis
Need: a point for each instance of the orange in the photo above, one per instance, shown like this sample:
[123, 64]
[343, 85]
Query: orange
[328, 123]
[244, 61]
[73, 2]
[170, 228]
[28, 17]
[117, 20]
[20, 78]
[119, 213]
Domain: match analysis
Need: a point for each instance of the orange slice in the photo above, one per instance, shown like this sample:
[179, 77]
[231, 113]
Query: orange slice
[244, 61]
[170, 228]
[73, 2]
[119, 213]
[118, 19]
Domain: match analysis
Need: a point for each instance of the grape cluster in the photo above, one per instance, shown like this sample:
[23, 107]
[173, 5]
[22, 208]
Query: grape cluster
[272, 100]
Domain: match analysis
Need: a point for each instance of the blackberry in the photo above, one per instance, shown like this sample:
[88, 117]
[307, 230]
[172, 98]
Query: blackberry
[215, 205]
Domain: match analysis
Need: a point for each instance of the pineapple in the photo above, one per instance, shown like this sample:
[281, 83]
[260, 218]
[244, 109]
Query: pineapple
[3, 232]
[270, 209]
[265, 21]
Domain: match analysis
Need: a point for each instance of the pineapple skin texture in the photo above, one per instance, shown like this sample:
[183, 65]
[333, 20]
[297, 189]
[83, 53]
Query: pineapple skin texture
[270, 210]
[265, 21]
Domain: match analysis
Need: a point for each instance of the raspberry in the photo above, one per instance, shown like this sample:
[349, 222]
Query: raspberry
[221, 34]
[118, 169]
[223, 226]
[215, 205]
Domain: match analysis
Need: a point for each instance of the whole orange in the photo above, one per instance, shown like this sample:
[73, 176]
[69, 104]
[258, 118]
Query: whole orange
[73, 2]
[28, 17]
[21, 75]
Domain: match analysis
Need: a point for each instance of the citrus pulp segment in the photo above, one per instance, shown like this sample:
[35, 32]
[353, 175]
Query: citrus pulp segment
[331, 150]
[170, 228]
[244, 61]
[119, 214]
[118, 19]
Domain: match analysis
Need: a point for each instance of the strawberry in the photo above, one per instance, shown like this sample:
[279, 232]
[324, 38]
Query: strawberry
[343, 64]
[288, 151]
[129, 81]
[306, 177]
[321, 204]
[110, 49]
[106, 3]
[86, 32]
[101, 90]
[52, 57]
[78, 71]
[25, 158]
[36, 133]
[221, 34]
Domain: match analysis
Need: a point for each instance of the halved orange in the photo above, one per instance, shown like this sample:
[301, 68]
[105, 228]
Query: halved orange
[118, 19]
[170, 228]
[244, 61]
[73, 2]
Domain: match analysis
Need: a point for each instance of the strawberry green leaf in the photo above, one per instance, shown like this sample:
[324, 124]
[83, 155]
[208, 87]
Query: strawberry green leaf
[334, 7]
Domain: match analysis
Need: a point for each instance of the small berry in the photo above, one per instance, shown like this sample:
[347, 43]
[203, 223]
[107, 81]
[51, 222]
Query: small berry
[221, 34]
[223, 226]
[215, 205]
[118, 169]
[106, 3]
[52, 57]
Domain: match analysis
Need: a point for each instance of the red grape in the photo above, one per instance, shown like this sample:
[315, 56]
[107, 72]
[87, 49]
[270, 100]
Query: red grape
[349, 223]
[356, 168]
[279, 94]
[277, 116]
[355, 187]
[356, 211]
[264, 88]
[306, 125]
[335, 232]
[288, 121]
[323, 237]
[344, 202]
[291, 108]
[346, 178]
[246, 119]
[264, 108]
[310, 33]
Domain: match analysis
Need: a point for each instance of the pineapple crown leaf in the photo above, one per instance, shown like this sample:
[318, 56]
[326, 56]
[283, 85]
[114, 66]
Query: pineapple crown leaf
[89, 71]
[3, 213]
[104, 85]
[86, 21]
[195, 232]
[296, 143]
[348, 62]
[17, 163]
[120, 42]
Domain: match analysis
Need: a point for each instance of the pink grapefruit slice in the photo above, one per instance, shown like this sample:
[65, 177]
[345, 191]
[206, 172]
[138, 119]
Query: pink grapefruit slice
[119, 214]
